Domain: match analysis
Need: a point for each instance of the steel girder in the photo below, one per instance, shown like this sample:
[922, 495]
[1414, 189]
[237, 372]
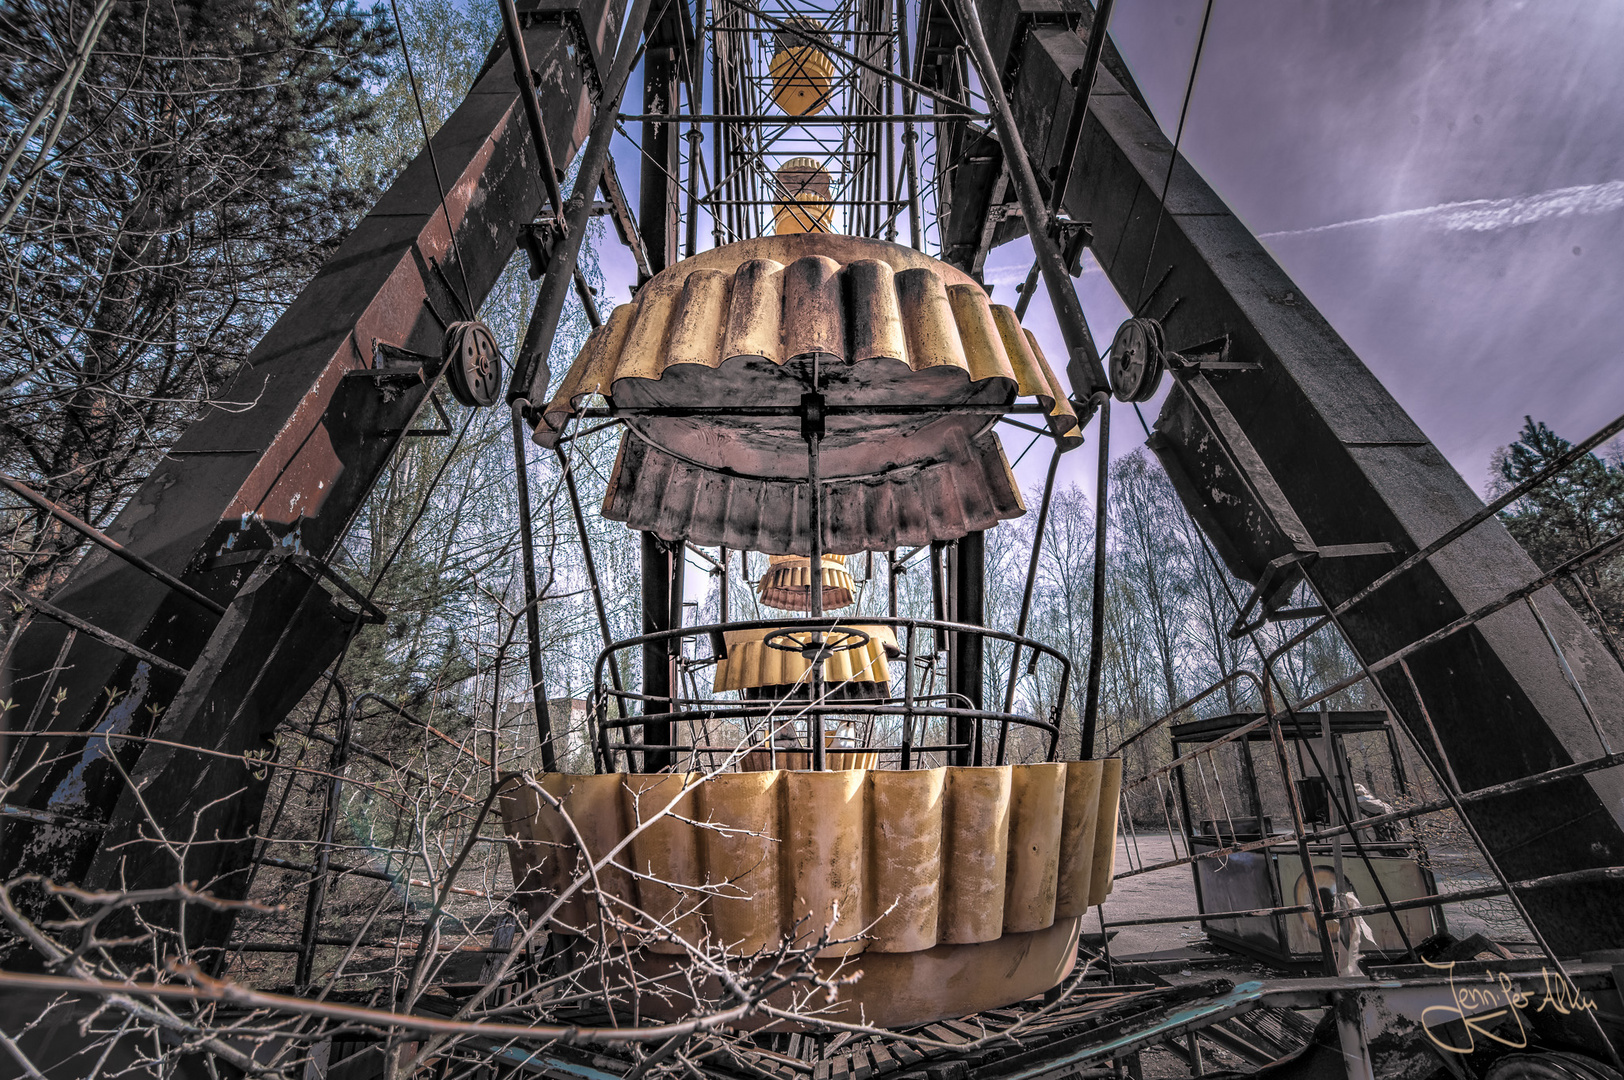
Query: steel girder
[1308, 458]
[315, 414]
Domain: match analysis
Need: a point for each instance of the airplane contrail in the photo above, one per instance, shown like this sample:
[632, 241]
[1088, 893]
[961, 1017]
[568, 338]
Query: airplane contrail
[1492, 215]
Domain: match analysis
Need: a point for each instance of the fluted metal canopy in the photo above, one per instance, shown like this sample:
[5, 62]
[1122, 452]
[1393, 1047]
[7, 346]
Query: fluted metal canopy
[909, 341]
[751, 663]
[787, 584]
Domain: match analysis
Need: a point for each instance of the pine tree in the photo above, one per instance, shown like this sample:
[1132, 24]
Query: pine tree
[166, 184]
[1575, 510]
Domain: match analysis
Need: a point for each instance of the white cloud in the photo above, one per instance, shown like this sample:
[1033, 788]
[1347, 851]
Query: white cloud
[1492, 215]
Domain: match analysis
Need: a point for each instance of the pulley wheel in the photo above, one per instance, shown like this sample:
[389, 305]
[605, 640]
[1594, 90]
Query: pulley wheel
[473, 363]
[1138, 360]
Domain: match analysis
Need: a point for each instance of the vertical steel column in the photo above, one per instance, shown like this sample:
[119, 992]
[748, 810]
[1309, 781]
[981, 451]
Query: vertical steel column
[695, 80]
[661, 595]
[812, 429]
[1096, 634]
[1026, 596]
[910, 137]
[658, 210]
[969, 589]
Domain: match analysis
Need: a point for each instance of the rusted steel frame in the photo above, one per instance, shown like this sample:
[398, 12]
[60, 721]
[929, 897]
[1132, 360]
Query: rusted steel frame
[880, 409]
[1079, 109]
[1573, 454]
[52, 611]
[1096, 615]
[625, 220]
[799, 121]
[1026, 594]
[388, 763]
[532, 107]
[825, 624]
[1083, 366]
[1578, 562]
[90, 532]
[731, 710]
[532, 368]
[830, 47]
[532, 602]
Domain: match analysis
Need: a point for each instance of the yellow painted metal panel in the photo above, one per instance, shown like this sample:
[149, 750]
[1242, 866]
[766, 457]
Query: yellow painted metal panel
[1081, 818]
[976, 852]
[826, 862]
[1036, 813]
[1105, 832]
[906, 858]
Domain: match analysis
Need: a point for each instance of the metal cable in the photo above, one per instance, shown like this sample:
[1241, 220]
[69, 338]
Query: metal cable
[1178, 137]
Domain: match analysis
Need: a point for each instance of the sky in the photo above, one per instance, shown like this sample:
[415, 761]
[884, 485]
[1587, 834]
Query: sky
[1444, 179]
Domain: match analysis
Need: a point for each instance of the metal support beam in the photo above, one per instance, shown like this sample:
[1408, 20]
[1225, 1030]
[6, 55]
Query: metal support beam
[1083, 367]
[659, 207]
[1352, 468]
[293, 470]
[662, 610]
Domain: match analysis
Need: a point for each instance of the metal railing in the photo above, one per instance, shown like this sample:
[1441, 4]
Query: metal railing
[782, 723]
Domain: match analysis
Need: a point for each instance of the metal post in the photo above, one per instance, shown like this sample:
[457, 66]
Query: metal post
[910, 137]
[532, 617]
[724, 590]
[1083, 367]
[1096, 639]
[696, 138]
[657, 190]
[969, 588]
[1026, 597]
[658, 600]
[316, 896]
[813, 430]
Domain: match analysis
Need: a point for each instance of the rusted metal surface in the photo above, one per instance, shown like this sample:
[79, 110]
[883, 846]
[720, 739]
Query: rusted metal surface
[278, 634]
[960, 870]
[876, 327]
[787, 584]
[315, 414]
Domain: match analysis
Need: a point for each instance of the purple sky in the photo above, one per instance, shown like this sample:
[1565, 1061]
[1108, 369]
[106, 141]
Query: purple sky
[1444, 180]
